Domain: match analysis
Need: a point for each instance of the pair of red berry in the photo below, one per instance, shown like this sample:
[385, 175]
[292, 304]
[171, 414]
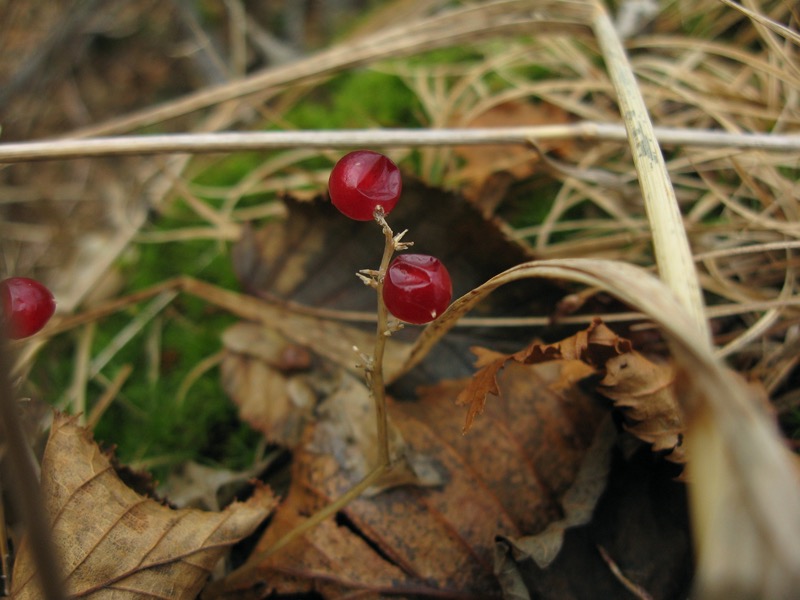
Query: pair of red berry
[27, 306]
[417, 287]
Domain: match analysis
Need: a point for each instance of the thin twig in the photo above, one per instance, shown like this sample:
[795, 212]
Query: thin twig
[25, 491]
[377, 385]
[204, 143]
[632, 587]
[245, 572]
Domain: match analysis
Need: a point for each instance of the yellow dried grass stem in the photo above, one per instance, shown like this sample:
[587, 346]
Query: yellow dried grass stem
[670, 242]
[108, 396]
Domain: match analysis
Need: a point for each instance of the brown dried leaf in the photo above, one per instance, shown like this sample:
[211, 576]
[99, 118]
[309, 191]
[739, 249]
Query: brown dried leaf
[339, 559]
[578, 503]
[745, 493]
[116, 543]
[508, 477]
[256, 375]
[483, 383]
[646, 391]
[591, 347]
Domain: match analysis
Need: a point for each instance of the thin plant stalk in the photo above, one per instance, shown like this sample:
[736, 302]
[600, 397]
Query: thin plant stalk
[670, 241]
[203, 143]
[373, 368]
[331, 509]
[376, 382]
[25, 491]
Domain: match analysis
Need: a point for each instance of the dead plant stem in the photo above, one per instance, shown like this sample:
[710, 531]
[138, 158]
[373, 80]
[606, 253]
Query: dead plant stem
[377, 385]
[202, 143]
[25, 490]
[328, 511]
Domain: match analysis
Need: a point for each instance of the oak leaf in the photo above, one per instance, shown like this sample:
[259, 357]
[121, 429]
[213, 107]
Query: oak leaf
[642, 388]
[114, 542]
[590, 347]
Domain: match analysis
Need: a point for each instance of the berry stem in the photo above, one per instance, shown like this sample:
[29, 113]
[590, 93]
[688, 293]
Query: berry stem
[328, 511]
[373, 370]
[375, 373]
[244, 574]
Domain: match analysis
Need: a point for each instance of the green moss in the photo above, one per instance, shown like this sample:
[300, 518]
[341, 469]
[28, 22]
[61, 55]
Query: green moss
[147, 422]
[530, 201]
[150, 424]
[361, 98]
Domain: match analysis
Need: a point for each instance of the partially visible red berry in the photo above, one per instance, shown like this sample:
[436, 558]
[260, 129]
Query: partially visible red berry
[417, 288]
[363, 180]
[27, 306]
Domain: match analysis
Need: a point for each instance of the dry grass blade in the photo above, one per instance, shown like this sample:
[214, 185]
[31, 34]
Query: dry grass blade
[201, 143]
[766, 22]
[744, 483]
[670, 242]
[451, 27]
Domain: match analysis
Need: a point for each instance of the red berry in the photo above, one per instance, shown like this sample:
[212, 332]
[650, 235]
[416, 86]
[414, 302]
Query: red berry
[27, 306]
[417, 288]
[363, 180]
